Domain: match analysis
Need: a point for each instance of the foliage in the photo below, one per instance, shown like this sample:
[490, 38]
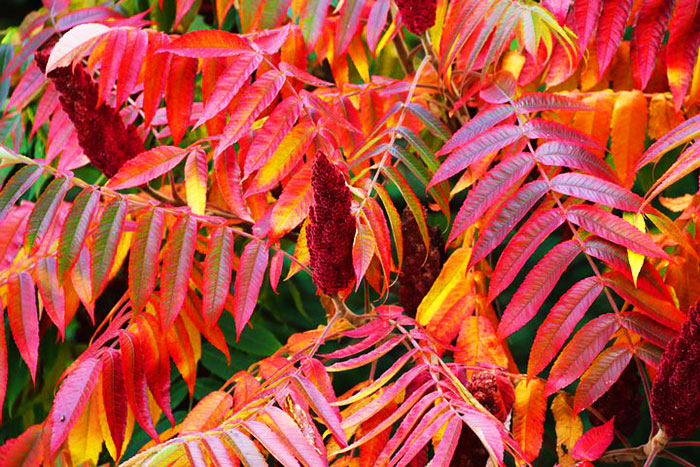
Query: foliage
[245, 147]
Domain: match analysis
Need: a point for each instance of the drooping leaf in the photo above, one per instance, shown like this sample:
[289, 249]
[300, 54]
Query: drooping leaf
[575, 157]
[144, 258]
[528, 416]
[363, 249]
[272, 133]
[581, 351]
[73, 44]
[114, 398]
[179, 94]
[536, 287]
[293, 436]
[17, 186]
[629, 121]
[329, 415]
[611, 27]
[478, 344]
[685, 164]
[482, 122]
[347, 27]
[686, 131]
[292, 207]
[568, 427]
[45, 210]
[586, 14]
[249, 278]
[647, 36]
[217, 275]
[134, 371]
[196, 175]
[177, 266]
[272, 442]
[23, 318]
[109, 232]
[51, 292]
[71, 399]
[682, 48]
[561, 321]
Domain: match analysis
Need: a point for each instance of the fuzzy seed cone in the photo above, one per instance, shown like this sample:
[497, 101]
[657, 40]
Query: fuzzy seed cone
[417, 15]
[331, 228]
[627, 414]
[418, 272]
[675, 396]
[102, 135]
[495, 392]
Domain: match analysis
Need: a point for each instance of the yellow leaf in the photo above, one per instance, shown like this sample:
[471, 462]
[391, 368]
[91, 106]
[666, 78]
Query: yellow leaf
[445, 288]
[435, 32]
[636, 259]
[478, 343]
[122, 251]
[528, 416]
[85, 438]
[357, 53]
[629, 125]
[196, 181]
[301, 252]
[568, 426]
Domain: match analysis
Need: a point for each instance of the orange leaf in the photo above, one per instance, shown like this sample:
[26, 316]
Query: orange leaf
[208, 413]
[477, 343]
[568, 426]
[528, 416]
[629, 122]
[293, 204]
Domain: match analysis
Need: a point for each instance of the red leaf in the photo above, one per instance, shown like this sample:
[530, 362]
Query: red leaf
[269, 137]
[603, 372]
[684, 132]
[594, 189]
[561, 321]
[115, 43]
[685, 164]
[492, 186]
[593, 443]
[292, 207]
[182, 7]
[177, 266]
[611, 27]
[363, 248]
[228, 84]
[521, 247]
[580, 352]
[155, 354]
[509, 214]
[143, 258]
[249, 278]
[614, 229]
[528, 416]
[648, 328]
[71, 399]
[647, 37]
[475, 149]
[251, 103]
[276, 265]
[3, 362]
[23, 317]
[133, 369]
[228, 177]
[682, 48]
[217, 275]
[30, 82]
[536, 287]
[114, 397]
[179, 94]
[134, 54]
[181, 345]
[147, 166]
[154, 77]
[51, 292]
[25, 450]
[586, 13]
[206, 43]
[347, 26]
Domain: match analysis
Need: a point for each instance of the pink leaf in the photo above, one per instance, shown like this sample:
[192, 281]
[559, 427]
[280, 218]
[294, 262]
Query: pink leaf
[71, 399]
[596, 190]
[586, 13]
[647, 37]
[249, 278]
[147, 166]
[23, 318]
[536, 287]
[611, 27]
[177, 266]
[594, 442]
[217, 275]
[603, 372]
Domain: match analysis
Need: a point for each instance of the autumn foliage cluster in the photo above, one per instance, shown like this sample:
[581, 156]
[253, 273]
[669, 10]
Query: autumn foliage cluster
[350, 233]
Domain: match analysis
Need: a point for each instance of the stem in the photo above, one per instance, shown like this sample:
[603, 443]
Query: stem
[402, 53]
